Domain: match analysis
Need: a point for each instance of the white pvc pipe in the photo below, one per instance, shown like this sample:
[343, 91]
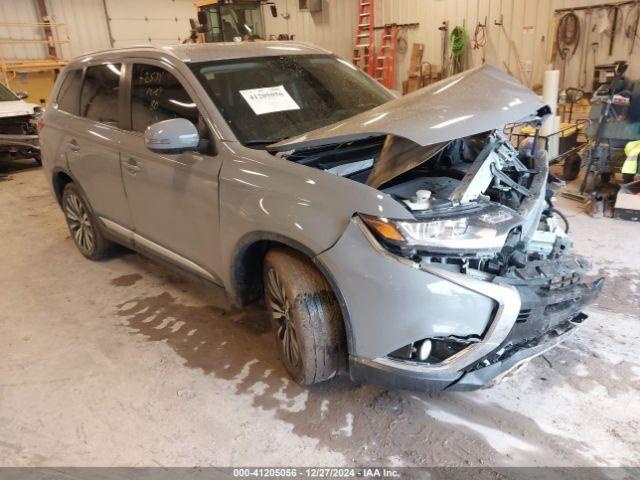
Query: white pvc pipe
[550, 87]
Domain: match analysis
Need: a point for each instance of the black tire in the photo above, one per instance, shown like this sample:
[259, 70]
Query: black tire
[592, 182]
[83, 225]
[306, 317]
[571, 168]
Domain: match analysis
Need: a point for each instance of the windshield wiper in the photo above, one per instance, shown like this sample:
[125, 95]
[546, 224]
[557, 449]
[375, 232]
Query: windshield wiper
[262, 142]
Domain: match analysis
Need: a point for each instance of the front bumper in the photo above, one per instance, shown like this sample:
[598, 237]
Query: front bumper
[525, 341]
[19, 142]
[407, 301]
[363, 371]
[367, 371]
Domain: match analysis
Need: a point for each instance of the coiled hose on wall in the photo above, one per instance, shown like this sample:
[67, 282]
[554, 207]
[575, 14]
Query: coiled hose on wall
[568, 34]
[458, 42]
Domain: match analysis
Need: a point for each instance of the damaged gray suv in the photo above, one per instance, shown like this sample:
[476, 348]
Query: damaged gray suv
[403, 240]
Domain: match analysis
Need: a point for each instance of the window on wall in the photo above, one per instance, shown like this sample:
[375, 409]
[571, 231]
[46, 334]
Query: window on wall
[69, 95]
[157, 95]
[99, 99]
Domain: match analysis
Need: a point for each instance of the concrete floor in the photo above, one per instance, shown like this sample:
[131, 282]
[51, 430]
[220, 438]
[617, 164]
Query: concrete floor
[122, 362]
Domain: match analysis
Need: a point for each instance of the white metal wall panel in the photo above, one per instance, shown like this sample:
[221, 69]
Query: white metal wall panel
[333, 28]
[156, 22]
[86, 22]
[21, 11]
[528, 23]
[620, 49]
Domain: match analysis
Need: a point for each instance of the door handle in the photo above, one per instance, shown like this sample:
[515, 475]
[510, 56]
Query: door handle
[73, 145]
[132, 166]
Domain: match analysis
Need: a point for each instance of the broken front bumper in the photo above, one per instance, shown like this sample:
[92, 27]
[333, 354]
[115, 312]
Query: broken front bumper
[392, 301]
[526, 340]
[19, 141]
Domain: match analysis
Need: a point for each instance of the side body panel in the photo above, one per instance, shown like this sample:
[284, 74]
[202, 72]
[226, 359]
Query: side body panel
[174, 201]
[174, 197]
[263, 193]
[93, 155]
[52, 139]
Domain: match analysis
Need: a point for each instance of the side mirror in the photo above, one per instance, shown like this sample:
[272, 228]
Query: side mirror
[274, 10]
[22, 95]
[175, 135]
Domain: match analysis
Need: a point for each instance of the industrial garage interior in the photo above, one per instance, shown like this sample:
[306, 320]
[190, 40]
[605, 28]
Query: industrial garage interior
[310, 238]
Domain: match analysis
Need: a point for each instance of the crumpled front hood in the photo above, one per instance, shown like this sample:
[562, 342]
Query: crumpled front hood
[471, 102]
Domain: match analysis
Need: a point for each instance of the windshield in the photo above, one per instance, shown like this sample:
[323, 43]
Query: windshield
[6, 95]
[265, 100]
[241, 21]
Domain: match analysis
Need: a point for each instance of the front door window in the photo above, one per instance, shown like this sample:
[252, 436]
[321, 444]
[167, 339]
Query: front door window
[157, 95]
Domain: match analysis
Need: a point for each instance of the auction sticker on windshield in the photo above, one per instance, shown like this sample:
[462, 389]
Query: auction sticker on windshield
[269, 100]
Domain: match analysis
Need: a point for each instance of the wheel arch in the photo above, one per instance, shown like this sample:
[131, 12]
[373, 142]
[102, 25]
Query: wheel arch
[59, 179]
[246, 271]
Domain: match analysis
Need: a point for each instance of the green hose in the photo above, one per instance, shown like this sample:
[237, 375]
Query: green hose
[458, 41]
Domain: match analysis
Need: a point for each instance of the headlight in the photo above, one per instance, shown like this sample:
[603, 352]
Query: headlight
[485, 229]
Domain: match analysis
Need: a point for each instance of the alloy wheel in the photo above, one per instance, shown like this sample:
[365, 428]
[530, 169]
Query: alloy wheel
[79, 223]
[281, 312]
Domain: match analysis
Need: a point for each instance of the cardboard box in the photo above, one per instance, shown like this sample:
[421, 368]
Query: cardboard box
[627, 205]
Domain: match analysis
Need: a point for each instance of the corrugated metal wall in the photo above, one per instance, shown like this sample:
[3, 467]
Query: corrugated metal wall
[22, 11]
[159, 22]
[620, 48]
[333, 28]
[525, 33]
[86, 22]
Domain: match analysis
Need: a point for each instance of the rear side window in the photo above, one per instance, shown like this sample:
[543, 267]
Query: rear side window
[69, 95]
[157, 95]
[99, 99]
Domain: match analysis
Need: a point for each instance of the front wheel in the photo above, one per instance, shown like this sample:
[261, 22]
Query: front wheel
[82, 224]
[306, 317]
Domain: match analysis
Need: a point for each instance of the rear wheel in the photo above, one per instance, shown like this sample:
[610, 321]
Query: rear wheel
[306, 317]
[82, 224]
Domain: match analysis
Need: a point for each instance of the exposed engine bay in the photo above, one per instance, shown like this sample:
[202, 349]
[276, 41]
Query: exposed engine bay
[475, 184]
[19, 136]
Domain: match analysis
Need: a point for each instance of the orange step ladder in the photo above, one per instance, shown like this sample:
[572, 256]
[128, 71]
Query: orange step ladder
[363, 51]
[386, 58]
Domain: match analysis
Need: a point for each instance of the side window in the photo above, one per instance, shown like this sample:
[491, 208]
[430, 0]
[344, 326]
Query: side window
[157, 95]
[99, 99]
[69, 94]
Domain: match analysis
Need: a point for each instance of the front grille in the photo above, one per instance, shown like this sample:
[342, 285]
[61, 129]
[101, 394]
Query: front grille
[562, 281]
[509, 348]
[523, 316]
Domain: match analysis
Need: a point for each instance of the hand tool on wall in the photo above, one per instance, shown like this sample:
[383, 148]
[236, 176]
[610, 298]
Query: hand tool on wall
[444, 28]
[631, 25]
[614, 23]
[522, 76]
[568, 33]
[582, 81]
[564, 55]
[594, 51]
[480, 37]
